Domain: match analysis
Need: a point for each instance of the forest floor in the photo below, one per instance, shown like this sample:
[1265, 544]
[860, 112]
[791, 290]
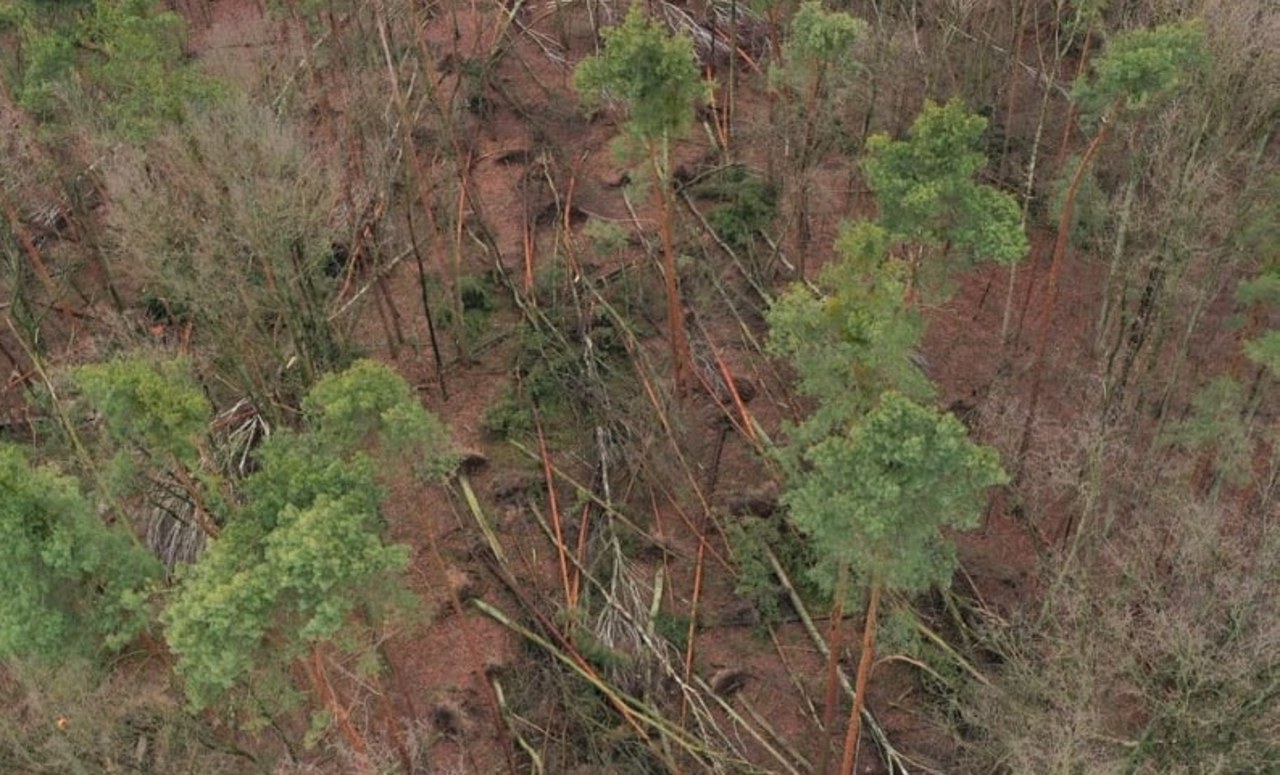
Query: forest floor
[444, 665]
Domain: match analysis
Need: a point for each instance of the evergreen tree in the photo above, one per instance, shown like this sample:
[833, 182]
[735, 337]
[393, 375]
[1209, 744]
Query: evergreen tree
[854, 341]
[930, 201]
[873, 474]
[651, 71]
[1261, 294]
[875, 498]
[818, 71]
[72, 585]
[656, 75]
[873, 503]
[121, 60]
[304, 554]
[1137, 72]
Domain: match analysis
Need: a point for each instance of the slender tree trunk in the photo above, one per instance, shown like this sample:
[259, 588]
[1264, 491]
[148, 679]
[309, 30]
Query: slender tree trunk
[730, 102]
[1028, 190]
[835, 642]
[28, 247]
[675, 311]
[854, 733]
[1051, 291]
[406, 123]
[1015, 65]
[1117, 253]
[314, 668]
[188, 483]
[1071, 109]
[426, 305]
[1059, 51]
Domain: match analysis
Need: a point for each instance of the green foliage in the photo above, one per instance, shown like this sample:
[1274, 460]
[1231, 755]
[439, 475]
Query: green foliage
[323, 557]
[72, 584]
[1092, 215]
[673, 628]
[1139, 69]
[470, 312]
[124, 56]
[1263, 289]
[756, 581]
[155, 443]
[508, 418]
[654, 72]
[748, 206]
[1263, 292]
[605, 237]
[896, 632]
[815, 76]
[989, 223]
[216, 620]
[573, 383]
[147, 404]
[819, 49]
[1215, 426]
[1265, 351]
[297, 469]
[875, 499]
[304, 553]
[259, 598]
[368, 401]
[1084, 14]
[599, 653]
[474, 295]
[853, 343]
[927, 194]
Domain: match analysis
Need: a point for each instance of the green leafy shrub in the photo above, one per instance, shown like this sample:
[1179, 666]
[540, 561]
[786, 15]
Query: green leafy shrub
[748, 207]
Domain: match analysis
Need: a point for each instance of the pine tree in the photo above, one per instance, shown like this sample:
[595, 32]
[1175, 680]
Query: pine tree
[855, 340]
[72, 585]
[1136, 73]
[873, 474]
[155, 423]
[873, 503]
[930, 202]
[302, 570]
[656, 75]
[819, 69]
[121, 61]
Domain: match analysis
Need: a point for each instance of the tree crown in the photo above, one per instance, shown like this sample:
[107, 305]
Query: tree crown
[926, 192]
[654, 72]
[875, 498]
[72, 584]
[1141, 68]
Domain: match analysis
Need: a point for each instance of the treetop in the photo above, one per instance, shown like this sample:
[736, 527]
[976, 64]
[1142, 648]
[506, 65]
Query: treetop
[653, 71]
[1138, 69]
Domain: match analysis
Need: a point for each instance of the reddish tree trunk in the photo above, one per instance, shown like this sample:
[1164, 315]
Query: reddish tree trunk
[854, 733]
[1051, 291]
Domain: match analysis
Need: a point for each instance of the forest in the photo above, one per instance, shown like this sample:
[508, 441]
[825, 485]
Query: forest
[808, 387]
